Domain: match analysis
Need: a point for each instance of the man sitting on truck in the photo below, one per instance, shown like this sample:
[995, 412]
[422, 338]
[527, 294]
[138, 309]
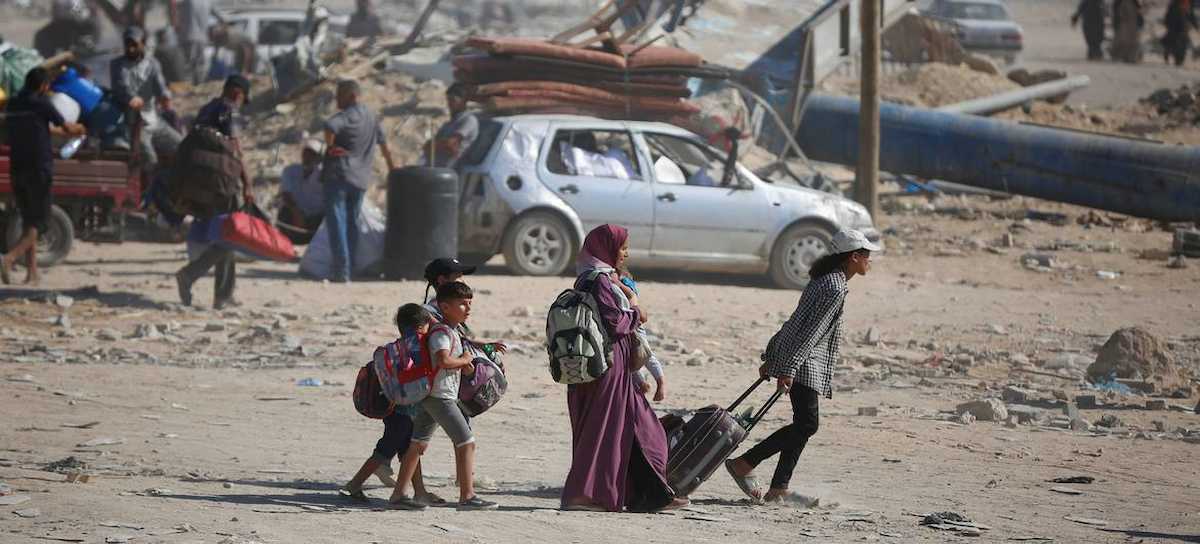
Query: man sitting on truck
[137, 84]
[31, 165]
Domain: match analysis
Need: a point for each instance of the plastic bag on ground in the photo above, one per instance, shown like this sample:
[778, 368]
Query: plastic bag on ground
[318, 259]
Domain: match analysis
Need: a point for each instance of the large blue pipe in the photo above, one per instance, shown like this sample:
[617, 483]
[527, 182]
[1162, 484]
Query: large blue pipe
[1124, 175]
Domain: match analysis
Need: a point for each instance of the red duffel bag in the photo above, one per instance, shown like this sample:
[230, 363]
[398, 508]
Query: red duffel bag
[247, 233]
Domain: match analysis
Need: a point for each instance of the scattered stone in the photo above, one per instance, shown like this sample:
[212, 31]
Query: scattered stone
[1107, 274]
[1177, 262]
[64, 466]
[1086, 521]
[227, 485]
[1066, 490]
[1086, 402]
[1159, 425]
[1135, 353]
[868, 411]
[523, 311]
[964, 360]
[63, 321]
[214, 327]
[146, 331]
[1073, 480]
[26, 378]
[108, 335]
[28, 513]
[1156, 404]
[1110, 421]
[13, 500]
[103, 441]
[966, 419]
[1038, 261]
[984, 409]
[695, 361]
[997, 329]
[1080, 424]
[1016, 394]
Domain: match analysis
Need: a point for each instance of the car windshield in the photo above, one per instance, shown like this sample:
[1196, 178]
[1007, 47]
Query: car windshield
[979, 12]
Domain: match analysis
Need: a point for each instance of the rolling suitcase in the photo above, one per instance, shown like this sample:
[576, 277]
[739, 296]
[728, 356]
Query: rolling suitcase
[701, 444]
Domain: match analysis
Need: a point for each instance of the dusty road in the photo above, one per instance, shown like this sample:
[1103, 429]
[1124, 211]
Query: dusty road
[216, 442]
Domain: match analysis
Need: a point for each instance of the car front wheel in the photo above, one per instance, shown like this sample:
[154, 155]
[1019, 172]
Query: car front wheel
[538, 244]
[795, 252]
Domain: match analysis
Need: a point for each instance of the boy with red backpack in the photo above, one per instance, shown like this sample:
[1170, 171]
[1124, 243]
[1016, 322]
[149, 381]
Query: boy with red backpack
[441, 407]
[413, 322]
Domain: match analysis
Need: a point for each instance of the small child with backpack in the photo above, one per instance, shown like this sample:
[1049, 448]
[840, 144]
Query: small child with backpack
[653, 365]
[441, 407]
[412, 322]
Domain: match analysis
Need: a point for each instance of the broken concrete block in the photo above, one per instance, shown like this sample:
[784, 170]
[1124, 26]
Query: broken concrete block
[869, 411]
[1025, 414]
[1016, 394]
[984, 409]
[1156, 404]
[1080, 424]
[1086, 402]
[1134, 353]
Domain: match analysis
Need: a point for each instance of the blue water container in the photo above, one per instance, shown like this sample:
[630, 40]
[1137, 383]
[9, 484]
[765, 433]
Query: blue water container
[82, 90]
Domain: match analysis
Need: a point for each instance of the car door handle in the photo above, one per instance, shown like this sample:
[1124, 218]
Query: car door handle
[569, 189]
[667, 197]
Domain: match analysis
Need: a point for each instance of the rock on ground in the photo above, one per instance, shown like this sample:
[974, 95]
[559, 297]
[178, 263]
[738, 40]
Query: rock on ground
[1135, 353]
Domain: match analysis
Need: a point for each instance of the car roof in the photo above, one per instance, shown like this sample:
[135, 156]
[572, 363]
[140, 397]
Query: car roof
[587, 119]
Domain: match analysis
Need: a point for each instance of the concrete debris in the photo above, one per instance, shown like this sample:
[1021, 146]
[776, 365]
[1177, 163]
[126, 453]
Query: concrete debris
[1086, 402]
[984, 409]
[1177, 262]
[868, 411]
[1073, 480]
[103, 441]
[146, 331]
[107, 335]
[1156, 405]
[1110, 421]
[1135, 353]
[28, 513]
[64, 301]
[13, 500]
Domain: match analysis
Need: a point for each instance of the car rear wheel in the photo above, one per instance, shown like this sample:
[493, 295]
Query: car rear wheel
[53, 245]
[538, 244]
[795, 252]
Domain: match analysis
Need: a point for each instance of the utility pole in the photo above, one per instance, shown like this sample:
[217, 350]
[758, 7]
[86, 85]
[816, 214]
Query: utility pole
[866, 183]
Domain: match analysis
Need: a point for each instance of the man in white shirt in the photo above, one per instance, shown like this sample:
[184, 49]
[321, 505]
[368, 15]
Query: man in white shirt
[302, 195]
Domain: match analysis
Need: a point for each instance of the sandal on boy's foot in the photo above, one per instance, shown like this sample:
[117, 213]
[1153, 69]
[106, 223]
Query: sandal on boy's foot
[405, 503]
[355, 495]
[476, 503]
[5, 275]
[748, 483]
[431, 499]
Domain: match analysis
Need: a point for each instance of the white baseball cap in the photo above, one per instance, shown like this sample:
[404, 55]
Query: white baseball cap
[847, 240]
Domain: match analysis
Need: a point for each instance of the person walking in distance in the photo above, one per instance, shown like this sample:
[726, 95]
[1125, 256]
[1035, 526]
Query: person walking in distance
[350, 139]
[190, 19]
[31, 120]
[1092, 13]
[1179, 20]
[801, 357]
[220, 114]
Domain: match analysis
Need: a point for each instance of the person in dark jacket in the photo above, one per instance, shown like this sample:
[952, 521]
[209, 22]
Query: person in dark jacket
[219, 114]
[1180, 20]
[31, 120]
[801, 357]
[1092, 13]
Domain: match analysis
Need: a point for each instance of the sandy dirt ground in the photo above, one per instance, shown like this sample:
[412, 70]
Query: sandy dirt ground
[217, 442]
[192, 426]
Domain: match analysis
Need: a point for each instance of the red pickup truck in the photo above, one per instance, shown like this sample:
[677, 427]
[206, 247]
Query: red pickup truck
[92, 191]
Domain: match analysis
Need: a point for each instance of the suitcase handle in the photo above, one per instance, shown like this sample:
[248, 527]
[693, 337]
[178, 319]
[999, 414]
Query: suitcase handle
[761, 411]
[739, 400]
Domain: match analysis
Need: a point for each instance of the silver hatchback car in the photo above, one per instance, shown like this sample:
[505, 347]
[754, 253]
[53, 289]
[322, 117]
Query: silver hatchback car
[533, 185]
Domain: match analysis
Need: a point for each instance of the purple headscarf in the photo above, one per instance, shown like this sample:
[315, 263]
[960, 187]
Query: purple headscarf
[601, 248]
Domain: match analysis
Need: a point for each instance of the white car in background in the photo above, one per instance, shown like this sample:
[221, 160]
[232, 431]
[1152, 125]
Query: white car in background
[274, 30]
[534, 185]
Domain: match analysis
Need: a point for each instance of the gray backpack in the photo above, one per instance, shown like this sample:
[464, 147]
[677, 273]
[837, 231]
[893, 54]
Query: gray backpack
[578, 345]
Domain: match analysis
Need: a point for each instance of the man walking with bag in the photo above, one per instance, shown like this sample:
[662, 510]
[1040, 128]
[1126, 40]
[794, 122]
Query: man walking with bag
[350, 139]
[221, 115]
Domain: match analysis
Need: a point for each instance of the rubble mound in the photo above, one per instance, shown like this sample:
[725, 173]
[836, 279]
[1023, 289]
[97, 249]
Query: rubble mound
[937, 84]
[1135, 353]
[1181, 104]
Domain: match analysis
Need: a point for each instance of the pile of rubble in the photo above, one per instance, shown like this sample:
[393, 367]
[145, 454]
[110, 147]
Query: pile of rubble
[1181, 104]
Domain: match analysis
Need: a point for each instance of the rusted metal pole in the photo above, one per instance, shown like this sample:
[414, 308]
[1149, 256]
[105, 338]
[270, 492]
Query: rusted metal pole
[866, 186]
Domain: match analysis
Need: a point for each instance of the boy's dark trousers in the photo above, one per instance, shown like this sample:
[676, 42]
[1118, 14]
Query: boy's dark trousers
[222, 261]
[789, 441]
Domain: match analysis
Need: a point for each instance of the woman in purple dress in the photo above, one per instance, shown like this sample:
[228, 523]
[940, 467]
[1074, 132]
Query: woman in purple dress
[618, 447]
